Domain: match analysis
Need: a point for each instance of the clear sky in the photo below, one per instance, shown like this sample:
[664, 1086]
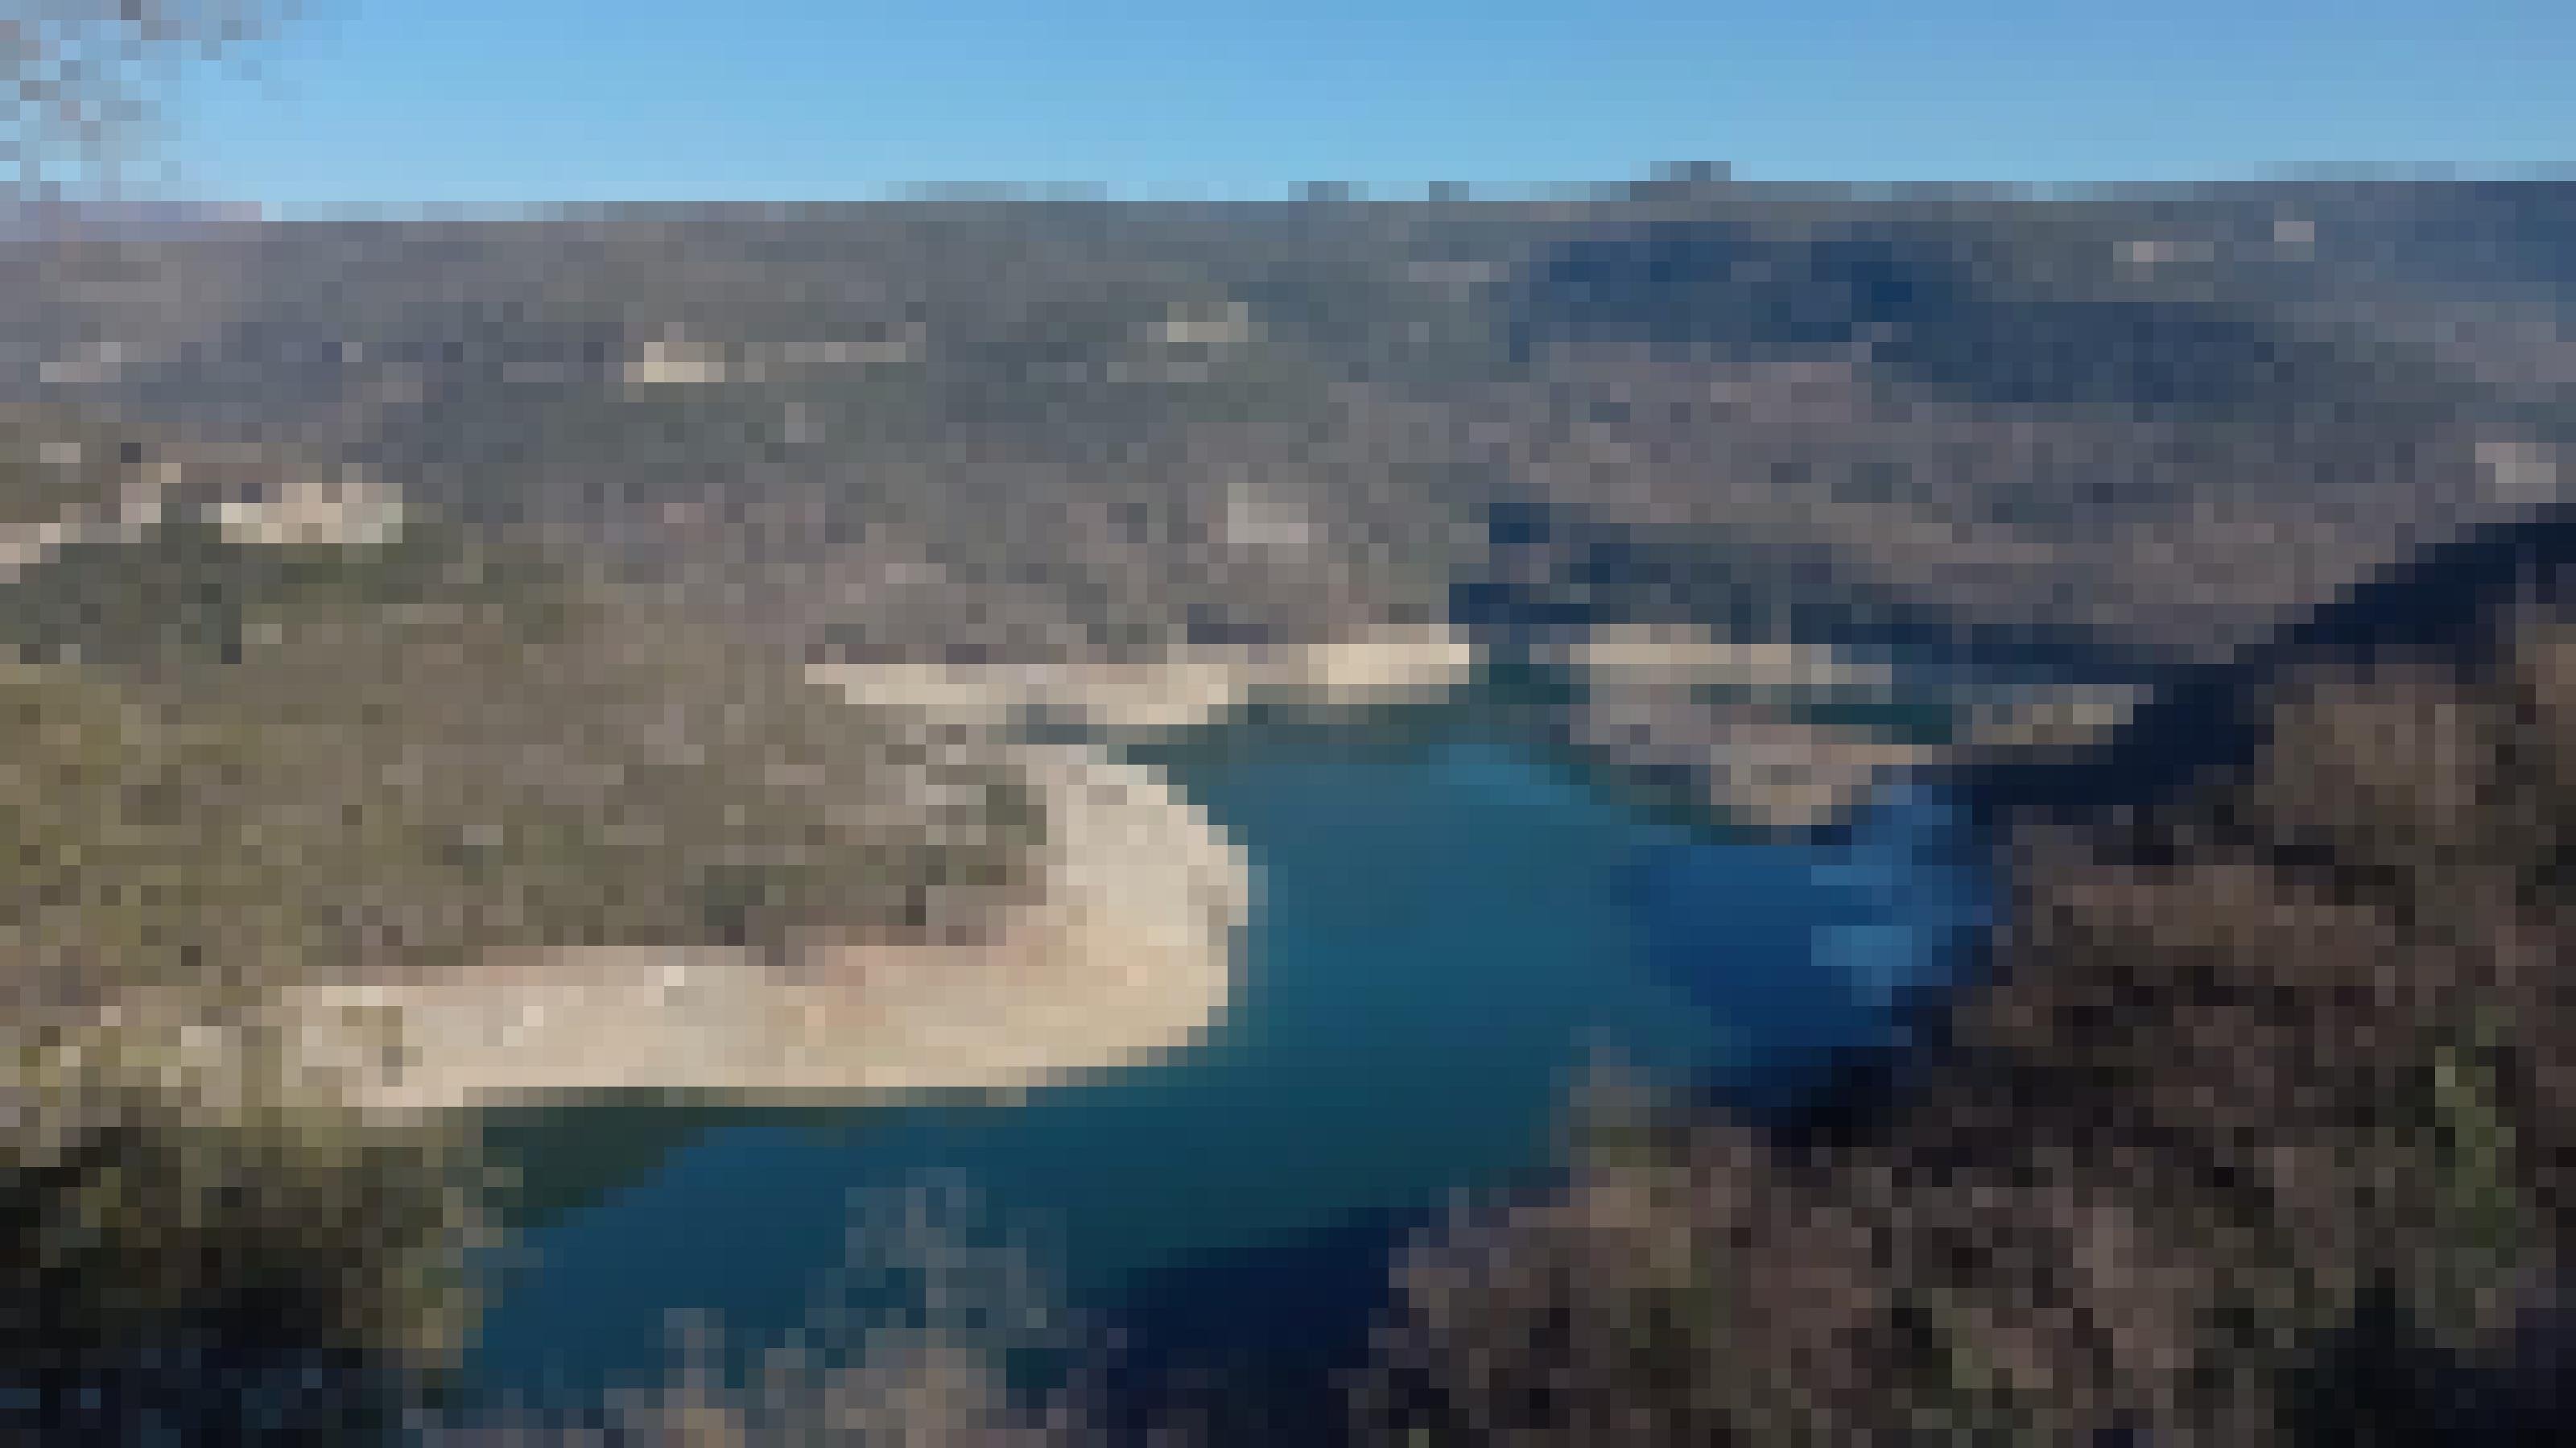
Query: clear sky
[506, 103]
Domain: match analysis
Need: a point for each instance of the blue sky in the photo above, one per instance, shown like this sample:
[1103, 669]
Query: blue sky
[506, 103]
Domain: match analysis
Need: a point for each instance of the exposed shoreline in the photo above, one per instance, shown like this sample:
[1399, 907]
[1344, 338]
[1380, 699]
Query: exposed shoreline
[1189, 688]
[1126, 956]
[1124, 952]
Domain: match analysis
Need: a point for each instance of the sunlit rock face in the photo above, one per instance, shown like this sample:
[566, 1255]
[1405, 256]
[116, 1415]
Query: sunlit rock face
[348, 510]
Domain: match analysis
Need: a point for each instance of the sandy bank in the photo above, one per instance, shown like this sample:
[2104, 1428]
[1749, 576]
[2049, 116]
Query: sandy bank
[1186, 689]
[1754, 758]
[2053, 718]
[1745, 763]
[1128, 955]
[1125, 954]
[1662, 655]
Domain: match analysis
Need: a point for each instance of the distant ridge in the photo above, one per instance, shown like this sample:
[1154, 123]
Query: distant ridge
[55, 220]
[2442, 604]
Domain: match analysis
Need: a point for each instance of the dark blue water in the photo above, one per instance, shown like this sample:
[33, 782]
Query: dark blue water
[1800, 950]
[1446, 931]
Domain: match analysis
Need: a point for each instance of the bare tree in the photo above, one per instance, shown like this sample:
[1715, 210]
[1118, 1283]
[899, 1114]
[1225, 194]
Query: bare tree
[82, 72]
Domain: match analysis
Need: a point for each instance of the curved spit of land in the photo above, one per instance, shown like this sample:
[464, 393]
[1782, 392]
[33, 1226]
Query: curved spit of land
[1125, 951]
[1123, 954]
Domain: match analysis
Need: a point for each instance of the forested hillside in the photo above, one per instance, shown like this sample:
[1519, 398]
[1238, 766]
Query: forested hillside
[1024, 425]
[422, 746]
[2250, 1127]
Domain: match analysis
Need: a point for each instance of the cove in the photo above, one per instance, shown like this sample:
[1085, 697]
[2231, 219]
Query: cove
[1447, 926]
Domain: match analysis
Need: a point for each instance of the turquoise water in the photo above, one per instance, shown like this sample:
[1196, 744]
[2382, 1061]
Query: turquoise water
[1446, 929]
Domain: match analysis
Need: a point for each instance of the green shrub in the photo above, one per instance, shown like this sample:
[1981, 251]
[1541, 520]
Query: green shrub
[192, 1242]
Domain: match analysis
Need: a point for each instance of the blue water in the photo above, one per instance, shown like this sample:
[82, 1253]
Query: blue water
[1799, 949]
[1444, 934]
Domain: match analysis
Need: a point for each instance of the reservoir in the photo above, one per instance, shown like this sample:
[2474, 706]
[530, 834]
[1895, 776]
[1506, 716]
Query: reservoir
[1448, 926]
